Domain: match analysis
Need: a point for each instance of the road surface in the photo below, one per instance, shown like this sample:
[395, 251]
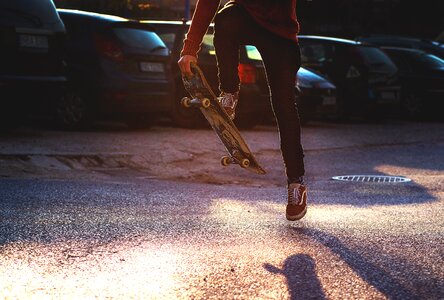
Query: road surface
[125, 234]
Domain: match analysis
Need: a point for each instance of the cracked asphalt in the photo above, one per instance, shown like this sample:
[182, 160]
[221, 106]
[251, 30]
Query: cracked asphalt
[115, 214]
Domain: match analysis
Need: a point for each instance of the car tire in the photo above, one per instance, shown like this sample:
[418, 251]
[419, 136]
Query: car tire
[305, 109]
[245, 121]
[342, 112]
[139, 122]
[11, 116]
[10, 122]
[304, 119]
[75, 110]
[413, 106]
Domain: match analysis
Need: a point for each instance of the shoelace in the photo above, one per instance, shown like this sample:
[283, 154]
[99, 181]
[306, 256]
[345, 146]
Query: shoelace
[228, 100]
[294, 196]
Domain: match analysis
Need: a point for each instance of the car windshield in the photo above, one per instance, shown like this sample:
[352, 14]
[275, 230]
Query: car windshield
[34, 12]
[208, 47]
[208, 44]
[253, 53]
[377, 60]
[430, 61]
[139, 38]
[168, 39]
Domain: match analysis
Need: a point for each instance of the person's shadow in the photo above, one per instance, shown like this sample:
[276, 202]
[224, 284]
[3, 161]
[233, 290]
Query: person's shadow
[300, 272]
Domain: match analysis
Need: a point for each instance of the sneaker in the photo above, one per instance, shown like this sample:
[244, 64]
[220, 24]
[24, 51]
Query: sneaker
[297, 201]
[229, 102]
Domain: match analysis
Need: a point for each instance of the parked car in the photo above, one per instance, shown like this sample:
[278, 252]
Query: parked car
[440, 39]
[254, 94]
[254, 106]
[365, 77]
[430, 46]
[316, 96]
[117, 68]
[422, 81]
[31, 57]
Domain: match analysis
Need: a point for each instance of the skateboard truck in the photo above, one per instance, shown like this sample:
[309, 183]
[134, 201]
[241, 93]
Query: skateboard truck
[188, 102]
[227, 160]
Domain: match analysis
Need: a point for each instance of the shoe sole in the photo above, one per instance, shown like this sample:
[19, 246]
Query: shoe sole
[296, 217]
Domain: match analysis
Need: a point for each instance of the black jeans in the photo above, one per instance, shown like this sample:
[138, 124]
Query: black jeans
[281, 57]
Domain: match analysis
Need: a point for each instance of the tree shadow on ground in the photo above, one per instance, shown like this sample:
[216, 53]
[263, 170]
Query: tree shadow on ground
[300, 273]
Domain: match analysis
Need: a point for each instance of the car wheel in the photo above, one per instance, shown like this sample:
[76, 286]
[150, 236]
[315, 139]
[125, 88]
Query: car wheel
[245, 121]
[413, 106]
[11, 116]
[10, 120]
[139, 122]
[342, 111]
[75, 111]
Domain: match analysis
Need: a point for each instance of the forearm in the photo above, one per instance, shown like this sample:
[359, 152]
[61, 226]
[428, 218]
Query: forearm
[202, 17]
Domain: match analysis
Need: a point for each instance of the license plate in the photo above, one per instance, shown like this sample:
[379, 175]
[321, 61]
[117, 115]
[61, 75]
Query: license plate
[329, 100]
[33, 41]
[151, 67]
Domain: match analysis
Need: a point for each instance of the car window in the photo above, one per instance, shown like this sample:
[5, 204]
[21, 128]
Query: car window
[431, 61]
[376, 60]
[401, 62]
[395, 43]
[139, 38]
[207, 46]
[75, 30]
[168, 39]
[253, 53]
[313, 53]
[35, 13]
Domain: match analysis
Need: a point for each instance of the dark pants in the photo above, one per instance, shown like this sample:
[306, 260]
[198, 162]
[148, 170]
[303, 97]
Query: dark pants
[281, 57]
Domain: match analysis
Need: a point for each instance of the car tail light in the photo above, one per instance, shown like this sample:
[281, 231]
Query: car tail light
[247, 73]
[117, 95]
[108, 48]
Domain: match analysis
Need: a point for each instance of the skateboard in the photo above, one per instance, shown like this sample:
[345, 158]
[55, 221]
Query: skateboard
[203, 97]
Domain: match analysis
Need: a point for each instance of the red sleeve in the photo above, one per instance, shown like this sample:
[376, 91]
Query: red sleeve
[202, 17]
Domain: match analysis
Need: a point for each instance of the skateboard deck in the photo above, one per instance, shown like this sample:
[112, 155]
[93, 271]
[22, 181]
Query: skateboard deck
[203, 97]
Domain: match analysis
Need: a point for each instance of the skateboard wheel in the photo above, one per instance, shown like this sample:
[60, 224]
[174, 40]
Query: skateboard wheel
[186, 102]
[206, 102]
[245, 163]
[225, 161]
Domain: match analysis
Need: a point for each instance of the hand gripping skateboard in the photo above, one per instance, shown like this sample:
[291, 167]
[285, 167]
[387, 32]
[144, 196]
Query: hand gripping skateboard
[204, 98]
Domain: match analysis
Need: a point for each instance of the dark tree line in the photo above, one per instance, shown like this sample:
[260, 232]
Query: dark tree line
[342, 18]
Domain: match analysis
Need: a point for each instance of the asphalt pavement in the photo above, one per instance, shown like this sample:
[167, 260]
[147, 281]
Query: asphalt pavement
[125, 231]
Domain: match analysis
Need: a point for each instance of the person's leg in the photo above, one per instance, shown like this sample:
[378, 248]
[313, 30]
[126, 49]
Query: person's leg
[282, 61]
[234, 27]
[228, 26]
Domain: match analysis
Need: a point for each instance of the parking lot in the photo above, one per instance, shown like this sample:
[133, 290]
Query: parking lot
[193, 155]
[120, 213]
[111, 189]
